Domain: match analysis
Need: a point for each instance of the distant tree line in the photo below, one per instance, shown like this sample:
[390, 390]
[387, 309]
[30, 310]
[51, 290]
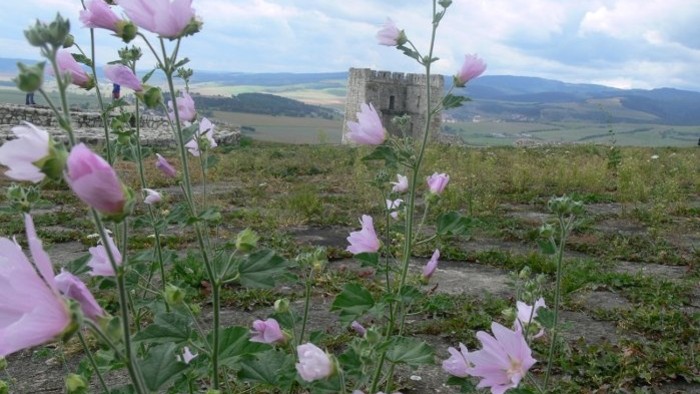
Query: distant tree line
[261, 103]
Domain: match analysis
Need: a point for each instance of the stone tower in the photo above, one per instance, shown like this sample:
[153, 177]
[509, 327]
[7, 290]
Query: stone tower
[393, 94]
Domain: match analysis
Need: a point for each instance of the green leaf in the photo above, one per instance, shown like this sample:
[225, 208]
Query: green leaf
[453, 223]
[80, 58]
[261, 269]
[368, 259]
[383, 152]
[545, 317]
[410, 351]
[160, 365]
[547, 246]
[234, 343]
[167, 328]
[465, 384]
[79, 266]
[452, 101]
[352, 302]
[148, 75]
[272, 367]
[211, 161]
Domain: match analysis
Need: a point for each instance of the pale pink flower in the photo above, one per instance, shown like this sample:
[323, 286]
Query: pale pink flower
[94, 181]
[72, 287]
[167, 18]
[185, 107]
[393, 207]
[503, 361]
[186, 355]
[267, 331]
[401, 186]
[99, 260]
[471, 68]
[431, 266]
[526, 315]
[389, 35]
[98, 14]
[32, 311]
[365, 240]
[437, 182]
[368, 129]
[165, 167]
[68, 65]
[355, 325]
[314, 363]
[206, 131]
[458, 364]
[22, 153]
[152, 197]
[122, 75]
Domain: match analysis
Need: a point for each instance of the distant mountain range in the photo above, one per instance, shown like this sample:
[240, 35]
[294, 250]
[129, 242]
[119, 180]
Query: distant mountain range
[501, 97]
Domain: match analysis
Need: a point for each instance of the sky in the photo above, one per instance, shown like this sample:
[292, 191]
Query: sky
[621, 43]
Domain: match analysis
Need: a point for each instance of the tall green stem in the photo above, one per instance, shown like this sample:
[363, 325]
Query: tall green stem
[307, 302]
[130, 361]
[93, 364]
[415, 169]
[563, 232]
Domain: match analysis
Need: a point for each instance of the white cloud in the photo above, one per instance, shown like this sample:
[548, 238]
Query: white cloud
[634, 43]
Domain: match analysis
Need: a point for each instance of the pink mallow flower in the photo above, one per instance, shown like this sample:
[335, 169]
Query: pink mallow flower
[431, 265]
[437, 182]
[94, 181]
[526, 315]
[365, 240]
[122, 75]
[458, 364]
[21, 154]
[99, 260]
[202, 139]
[32, 311]
[472, 68]
[390, 35]
[68, 65]
[152, 197]
[98, 14]
[167, 18]
[166, 168]
[401, 186]
[267, 331]
[72, 287]
[314, 363]
[185, 107]
[368, 129]
[503, 361]
[393, 206]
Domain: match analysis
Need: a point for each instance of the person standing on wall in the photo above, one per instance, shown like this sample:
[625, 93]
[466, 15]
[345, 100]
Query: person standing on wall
[115, 91]
[29, 99]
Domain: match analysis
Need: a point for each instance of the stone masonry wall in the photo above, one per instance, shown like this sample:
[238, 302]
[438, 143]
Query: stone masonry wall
[155, 130]
[393, 94]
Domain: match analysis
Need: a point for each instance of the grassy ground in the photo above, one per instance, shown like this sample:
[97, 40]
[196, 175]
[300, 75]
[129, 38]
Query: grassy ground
[277, 189]
[628, 134]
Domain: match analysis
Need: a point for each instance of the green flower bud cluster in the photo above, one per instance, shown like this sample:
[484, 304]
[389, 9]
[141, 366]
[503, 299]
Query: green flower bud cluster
[54, 35]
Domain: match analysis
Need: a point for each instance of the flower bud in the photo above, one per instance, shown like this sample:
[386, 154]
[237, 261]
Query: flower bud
[151, 96]
[247, 240]
[445, 3]
[70, 40]
[174, 295]
[75, 384]
[30, 78]
[126, 30]
[282, 305]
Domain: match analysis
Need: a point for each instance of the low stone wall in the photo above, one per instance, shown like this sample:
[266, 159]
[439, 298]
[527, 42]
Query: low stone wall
[155, 130]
